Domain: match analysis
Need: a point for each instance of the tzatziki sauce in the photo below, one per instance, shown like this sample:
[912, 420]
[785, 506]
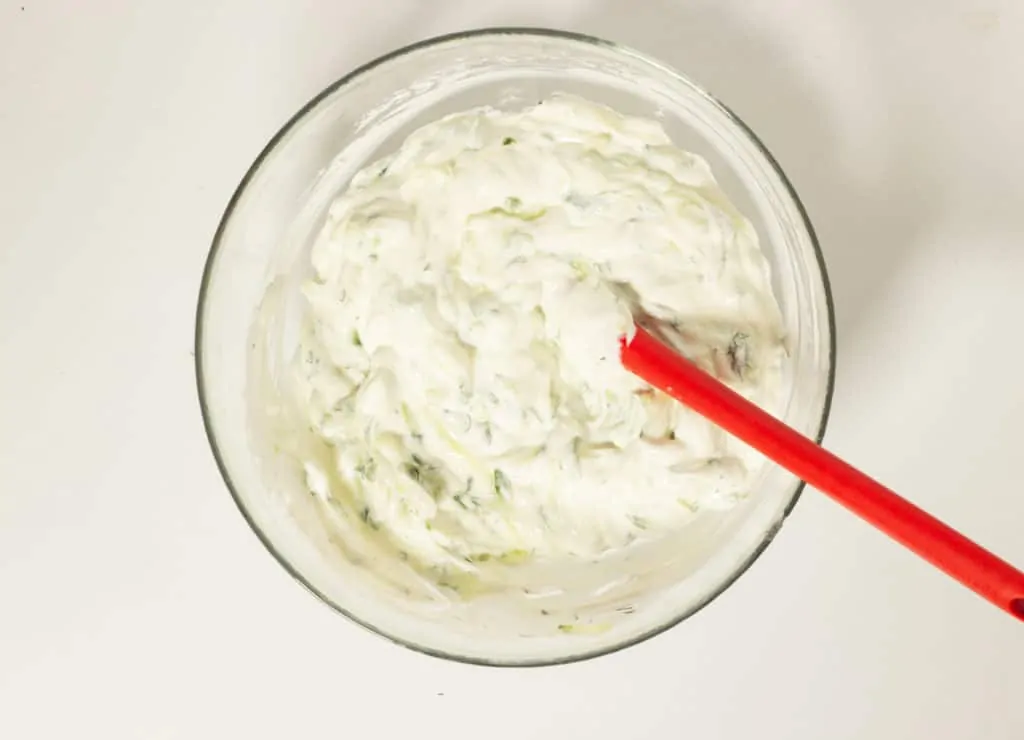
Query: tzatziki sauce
[460, 357]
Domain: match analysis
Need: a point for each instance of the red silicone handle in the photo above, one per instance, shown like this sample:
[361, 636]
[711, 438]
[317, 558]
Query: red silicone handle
[944, 547]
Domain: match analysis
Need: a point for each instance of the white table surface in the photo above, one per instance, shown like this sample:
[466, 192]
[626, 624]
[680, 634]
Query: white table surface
[136, 603]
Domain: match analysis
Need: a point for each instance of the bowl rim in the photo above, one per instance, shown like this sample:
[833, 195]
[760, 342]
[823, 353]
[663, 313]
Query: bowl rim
[291, 123]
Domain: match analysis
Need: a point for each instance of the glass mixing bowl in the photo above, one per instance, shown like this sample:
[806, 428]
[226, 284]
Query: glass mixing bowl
[250, 309]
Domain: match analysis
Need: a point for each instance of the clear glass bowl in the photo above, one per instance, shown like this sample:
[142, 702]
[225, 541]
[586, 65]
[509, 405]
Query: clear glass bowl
[250, 308]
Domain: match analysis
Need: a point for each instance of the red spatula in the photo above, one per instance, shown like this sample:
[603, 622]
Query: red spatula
[944, 547]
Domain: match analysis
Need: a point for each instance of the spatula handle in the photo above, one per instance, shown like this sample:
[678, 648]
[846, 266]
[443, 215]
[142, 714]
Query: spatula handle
[942, 546]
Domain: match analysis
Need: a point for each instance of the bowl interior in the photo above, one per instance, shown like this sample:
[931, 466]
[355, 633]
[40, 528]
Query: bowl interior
[250, 312]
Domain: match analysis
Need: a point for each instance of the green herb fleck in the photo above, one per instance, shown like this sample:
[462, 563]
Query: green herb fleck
[367, 470]
[460, 498]
[511, 210]
[584, 629]
[356, 339]
[508, 141]
[502, 485]
[412, 471]
[368, 518]
[514, 557]
[581, 268]
[738, 353]
[638, 521]
[425, 475]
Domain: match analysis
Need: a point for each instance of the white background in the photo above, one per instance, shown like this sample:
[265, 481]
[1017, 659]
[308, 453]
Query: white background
[136, 603]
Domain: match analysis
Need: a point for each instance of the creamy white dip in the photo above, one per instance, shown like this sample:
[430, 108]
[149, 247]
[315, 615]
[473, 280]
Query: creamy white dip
[461, 356]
